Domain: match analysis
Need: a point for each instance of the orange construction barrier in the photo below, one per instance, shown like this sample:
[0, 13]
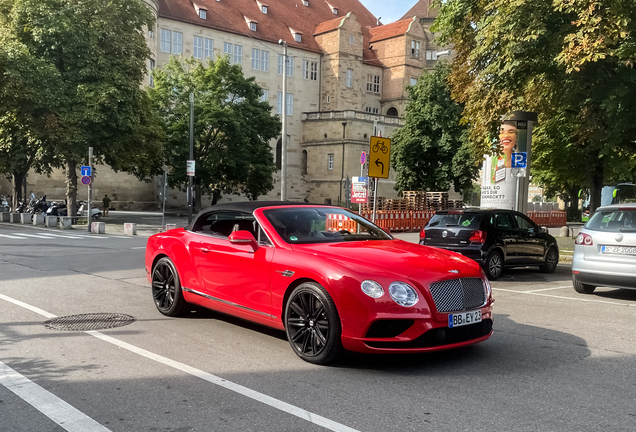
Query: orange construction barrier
[558, 219]
[419, 219]
[337, 222]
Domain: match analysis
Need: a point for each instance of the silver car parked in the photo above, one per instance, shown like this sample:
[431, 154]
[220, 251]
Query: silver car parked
[605, 250]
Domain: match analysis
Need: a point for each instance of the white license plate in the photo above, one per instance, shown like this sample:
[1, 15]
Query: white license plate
[620, 250]
[464, 318]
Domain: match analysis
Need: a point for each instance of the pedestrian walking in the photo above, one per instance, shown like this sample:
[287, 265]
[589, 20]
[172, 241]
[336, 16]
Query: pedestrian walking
[106, 202]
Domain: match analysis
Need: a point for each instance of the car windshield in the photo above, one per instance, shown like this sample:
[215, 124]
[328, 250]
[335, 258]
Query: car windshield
[303, 225]
[613, 221]
[464, 220]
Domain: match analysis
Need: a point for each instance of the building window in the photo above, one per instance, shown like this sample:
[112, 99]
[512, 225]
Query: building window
[303, 162]
[208, 49]
[373, 83]
[415, 49]
[298, 37]
[351, 40]
[290, 65]
[197, 47]
[151, 34]
[166, 36]
[177, 42]
[349, 77]
[372, 110]
[238, 54]
[392, 112]
[265, 61]
[227, 49]
[203, 13]
[310, 70]
[264, 9]
[290, 104]
[413, 81]
[256, 59]
[335, 11]
[306, 2]
[265, 96]
[431, 55]
[151, 67]
[252, 26]
[330, 161]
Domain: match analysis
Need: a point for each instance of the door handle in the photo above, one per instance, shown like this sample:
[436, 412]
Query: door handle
[204, 250]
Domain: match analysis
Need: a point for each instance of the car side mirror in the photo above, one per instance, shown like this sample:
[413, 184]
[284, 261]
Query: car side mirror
[243, 237]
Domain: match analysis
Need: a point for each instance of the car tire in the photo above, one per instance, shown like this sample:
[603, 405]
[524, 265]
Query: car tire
[166, 288]
[551, 261]
[494, 265]
[312, 324]
[581, 287]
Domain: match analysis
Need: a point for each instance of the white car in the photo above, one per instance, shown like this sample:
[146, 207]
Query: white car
[605, 250]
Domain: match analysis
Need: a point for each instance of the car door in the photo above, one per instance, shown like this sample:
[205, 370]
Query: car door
[533, 245]
[506, 230]
[234, 275]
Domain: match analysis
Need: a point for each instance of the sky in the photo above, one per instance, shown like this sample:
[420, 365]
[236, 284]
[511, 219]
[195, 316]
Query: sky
[388, 10]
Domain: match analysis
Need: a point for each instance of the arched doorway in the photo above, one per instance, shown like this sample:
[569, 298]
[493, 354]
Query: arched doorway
[392, 112]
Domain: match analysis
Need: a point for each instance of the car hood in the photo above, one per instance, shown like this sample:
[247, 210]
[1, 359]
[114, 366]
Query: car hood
[394, 256]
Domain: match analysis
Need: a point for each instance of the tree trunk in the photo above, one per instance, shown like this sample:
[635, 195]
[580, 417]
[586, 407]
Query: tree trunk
[71, 188]
[18, 183]
[215, 197]
[573, 193]
[596, 185]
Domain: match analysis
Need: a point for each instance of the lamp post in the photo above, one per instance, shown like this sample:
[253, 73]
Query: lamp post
[190, 178]
[283, 151]
[344, 127]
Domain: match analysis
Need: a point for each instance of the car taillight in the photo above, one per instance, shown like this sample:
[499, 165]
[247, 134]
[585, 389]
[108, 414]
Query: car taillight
[584, 239]
[422, 234]
[477, 237]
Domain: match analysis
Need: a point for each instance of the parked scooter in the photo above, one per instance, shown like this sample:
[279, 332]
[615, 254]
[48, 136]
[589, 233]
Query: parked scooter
[95, 212]
[56, 209]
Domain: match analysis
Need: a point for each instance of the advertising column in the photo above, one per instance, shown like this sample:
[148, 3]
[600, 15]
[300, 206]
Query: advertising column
[504, 182]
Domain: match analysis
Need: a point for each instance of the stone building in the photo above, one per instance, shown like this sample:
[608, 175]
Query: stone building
[346, 80]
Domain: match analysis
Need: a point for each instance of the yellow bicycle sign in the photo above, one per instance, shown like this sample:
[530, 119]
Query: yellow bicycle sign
[379, 157]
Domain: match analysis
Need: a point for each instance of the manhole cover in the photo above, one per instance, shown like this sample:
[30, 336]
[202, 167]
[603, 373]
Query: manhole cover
[93, 321]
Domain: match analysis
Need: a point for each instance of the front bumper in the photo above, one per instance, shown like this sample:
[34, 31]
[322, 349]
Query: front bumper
[425, 335]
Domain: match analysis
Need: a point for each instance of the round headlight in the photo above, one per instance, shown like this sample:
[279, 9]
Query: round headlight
[403, 294]
[372, 288]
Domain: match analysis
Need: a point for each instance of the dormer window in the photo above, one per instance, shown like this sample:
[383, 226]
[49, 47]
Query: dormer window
[262, 6]
[335, 11]
[306, 2]
[264, 9]
[203, 13]
[253, 26]
[201, 10]
[298, 37]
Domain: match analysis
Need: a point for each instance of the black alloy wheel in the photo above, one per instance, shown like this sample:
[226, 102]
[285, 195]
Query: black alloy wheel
[551, 261]
[581, 287]
[166, 288]
[312, 324]
[494, 265]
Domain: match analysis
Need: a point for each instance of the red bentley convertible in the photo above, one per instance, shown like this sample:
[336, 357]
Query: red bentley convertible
[328, 277]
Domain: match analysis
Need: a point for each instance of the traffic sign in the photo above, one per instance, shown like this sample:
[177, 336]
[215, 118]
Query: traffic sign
[190, 168]
[86, 180]
[379, 157]
[519, 160]
[86, 171]
[363, 158]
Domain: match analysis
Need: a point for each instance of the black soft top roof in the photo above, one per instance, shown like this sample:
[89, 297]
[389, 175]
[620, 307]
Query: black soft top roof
[245, 207]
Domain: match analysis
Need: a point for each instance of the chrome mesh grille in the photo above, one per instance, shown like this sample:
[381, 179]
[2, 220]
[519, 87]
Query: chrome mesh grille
[458, 294]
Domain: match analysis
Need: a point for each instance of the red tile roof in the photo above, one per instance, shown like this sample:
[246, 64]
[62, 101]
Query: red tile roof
[390, 30]
[227, 15]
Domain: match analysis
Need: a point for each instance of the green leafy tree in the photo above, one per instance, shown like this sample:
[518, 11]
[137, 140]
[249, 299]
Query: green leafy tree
[566, 59]
[232, 128]
[432, 151]
[96, 53]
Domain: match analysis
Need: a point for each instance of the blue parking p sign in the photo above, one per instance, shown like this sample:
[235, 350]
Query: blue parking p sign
[85, 171]
[519, 160]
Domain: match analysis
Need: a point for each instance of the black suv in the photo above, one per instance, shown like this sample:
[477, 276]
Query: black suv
[494, 238]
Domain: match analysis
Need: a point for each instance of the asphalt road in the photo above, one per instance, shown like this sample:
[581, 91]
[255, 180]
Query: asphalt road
[558, 360]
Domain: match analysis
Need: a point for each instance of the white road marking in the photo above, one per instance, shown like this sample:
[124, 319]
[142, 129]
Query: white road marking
[31, 235]
[549, 289]
[11, 237]
[74, 236]
[140, 247]
[565, 298]
[65, 415]
[229, 385]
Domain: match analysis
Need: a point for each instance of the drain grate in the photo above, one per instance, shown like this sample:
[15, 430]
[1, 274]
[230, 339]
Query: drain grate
[93, 321]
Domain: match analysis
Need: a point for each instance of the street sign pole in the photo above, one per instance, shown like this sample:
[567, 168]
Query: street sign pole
[163, 212]
[190, 178]
[90, 188]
